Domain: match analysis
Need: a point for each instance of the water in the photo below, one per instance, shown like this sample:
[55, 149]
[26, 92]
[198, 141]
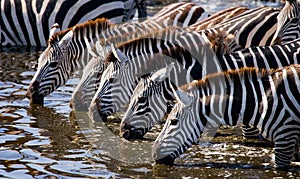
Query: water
[50, 141]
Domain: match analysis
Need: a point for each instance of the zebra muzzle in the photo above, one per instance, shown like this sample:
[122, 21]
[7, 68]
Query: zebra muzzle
[129, 132]
[33, 93]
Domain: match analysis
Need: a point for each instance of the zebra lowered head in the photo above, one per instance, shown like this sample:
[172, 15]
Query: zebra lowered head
[266, 99]
[144, 111]
[52, 69]
[89, 82]
[103, 106]
[66, 52]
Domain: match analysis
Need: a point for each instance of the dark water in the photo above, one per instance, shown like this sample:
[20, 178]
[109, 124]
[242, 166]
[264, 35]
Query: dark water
[51, 141]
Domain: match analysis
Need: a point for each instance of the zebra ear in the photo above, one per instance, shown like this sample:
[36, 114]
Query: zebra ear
[119, 55]
[63, 43]
[182, 97]
[55, 28]
[162, 74]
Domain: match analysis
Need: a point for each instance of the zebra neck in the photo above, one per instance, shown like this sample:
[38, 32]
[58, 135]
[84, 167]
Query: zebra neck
[84, 40]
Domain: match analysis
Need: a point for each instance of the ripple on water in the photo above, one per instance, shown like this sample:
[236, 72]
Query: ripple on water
[9, 154]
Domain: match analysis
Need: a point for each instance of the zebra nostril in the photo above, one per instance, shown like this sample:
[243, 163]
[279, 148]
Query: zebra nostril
[34, 86]
[125, 134]
[130, 132]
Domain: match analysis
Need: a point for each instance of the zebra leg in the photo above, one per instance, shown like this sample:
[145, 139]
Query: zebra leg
[284, 149]
[296, 152]
[251, 133]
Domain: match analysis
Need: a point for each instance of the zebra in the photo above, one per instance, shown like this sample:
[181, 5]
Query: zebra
[290, 10]
[108, 98]
[143, 111]
[266, 99]
[90, 79]
[68, 50]
[25, 22]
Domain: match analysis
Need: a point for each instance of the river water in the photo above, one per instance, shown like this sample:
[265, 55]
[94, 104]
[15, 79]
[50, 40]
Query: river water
[52, 141]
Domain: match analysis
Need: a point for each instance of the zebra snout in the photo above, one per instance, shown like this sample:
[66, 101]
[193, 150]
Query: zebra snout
[33, 93]
[160, 156]
[130, 132]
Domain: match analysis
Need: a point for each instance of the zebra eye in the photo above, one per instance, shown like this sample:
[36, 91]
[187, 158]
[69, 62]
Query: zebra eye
[53, 64]
[174, 121]
[142, 98]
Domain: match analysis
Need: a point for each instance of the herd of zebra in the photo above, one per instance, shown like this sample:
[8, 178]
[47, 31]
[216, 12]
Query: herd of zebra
[193, 71]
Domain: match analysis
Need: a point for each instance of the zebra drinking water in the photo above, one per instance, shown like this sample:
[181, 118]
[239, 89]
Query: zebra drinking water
[266, 99]
[68, 50]
[117, 87]
[138, 119]
[90, 79]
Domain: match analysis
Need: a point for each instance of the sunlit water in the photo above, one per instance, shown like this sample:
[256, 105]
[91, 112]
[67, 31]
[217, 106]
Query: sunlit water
[44, 141]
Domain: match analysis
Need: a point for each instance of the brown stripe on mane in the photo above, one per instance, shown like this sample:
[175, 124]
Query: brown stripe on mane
[102, 23]
[230, 74]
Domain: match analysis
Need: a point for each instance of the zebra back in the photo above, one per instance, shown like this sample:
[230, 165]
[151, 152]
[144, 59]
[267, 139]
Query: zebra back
[28, 22]
[186, 13]
[267, 99]
[218, 17]
[254, 27]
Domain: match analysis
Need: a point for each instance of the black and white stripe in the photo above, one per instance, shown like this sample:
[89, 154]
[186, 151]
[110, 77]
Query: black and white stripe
[176, 14]
[138, 117]
[75, 44]
[289, 11]
[26, 22]
[268, 100]
[141, 50]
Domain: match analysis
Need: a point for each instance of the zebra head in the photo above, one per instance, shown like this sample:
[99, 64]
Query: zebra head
[53, 70]
[148, 104]
[180, 130]
[89, 82]
[104, 103]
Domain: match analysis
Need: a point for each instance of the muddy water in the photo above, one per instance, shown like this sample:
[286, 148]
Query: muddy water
[51, 140]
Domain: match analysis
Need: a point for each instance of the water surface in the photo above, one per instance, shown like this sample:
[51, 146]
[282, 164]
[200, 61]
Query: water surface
[43, 141]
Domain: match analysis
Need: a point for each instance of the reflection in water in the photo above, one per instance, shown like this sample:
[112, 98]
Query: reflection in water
[45, 141]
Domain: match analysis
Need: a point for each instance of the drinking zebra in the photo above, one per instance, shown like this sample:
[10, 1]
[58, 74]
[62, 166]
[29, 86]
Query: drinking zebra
[68, 50]
[92, 73]
[148, 92]
[266, 99]
[25, 22]
[114, 94]
[139, 117]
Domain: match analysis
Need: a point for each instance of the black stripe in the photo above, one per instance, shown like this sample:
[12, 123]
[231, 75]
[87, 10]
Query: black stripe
[33, 24]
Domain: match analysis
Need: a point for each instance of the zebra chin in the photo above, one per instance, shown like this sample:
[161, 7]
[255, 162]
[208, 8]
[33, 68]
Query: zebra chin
[130, 132]
[33, 94]
[35, 98]
[167, 160]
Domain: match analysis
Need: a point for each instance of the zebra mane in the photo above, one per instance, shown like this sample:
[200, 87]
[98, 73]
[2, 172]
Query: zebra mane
[230, 74]
[103, 23]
